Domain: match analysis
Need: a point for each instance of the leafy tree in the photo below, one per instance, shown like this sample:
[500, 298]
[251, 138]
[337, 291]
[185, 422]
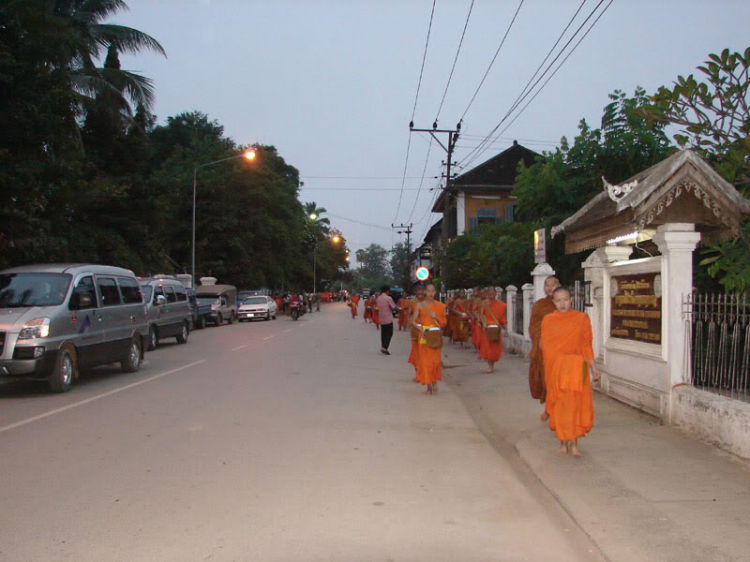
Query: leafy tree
[400, 264]
[713, 118]
[563, 181]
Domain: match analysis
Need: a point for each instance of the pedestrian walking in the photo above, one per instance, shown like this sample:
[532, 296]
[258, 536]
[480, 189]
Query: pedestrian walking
[386, 307]
[431, 315]
[494, 320]
[569, 368]
[541, 308]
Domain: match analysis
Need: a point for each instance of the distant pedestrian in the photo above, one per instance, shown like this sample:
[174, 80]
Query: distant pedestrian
[493, 320]
[386, 307]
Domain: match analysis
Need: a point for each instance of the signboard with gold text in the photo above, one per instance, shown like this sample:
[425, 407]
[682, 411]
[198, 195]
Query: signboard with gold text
[636, 307]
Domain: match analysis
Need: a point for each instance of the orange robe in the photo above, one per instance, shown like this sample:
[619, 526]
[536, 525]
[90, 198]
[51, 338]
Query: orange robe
[354, 305]
[403, 313]
[448, 332]
[429, 370]
[494, 313]
[541, 308]
[368, 311]
[566, 347]
[375, 316]
[461, 322]
[474, 324]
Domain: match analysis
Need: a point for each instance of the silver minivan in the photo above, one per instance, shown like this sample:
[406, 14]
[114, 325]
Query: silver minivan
[56, 319]
[168, 308]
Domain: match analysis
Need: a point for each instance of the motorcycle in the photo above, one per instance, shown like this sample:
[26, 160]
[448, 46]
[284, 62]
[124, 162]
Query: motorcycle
[297, 310]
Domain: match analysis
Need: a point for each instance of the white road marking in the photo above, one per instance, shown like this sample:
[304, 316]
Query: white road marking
[98, 397]
[267, 338]
[238, 348]
[286, 331]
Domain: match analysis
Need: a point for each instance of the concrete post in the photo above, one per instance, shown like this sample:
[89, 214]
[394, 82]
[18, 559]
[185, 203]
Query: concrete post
[593, 268]
[528, 302]
[540, 273]
[511, 310]
[676, 243]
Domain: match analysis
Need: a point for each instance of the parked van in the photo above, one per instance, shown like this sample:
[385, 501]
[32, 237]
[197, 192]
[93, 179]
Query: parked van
[56, 319]
[169, 312]
[223, 301]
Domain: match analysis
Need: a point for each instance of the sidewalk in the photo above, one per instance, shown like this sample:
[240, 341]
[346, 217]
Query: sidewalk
[643, 491]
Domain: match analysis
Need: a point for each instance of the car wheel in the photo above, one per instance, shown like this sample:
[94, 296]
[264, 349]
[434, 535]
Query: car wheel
[268, 317]
[184, 333]
[153, 338]
[133, 361]
[64, 371]
[201, 322]
[231, 318]
[219, 319]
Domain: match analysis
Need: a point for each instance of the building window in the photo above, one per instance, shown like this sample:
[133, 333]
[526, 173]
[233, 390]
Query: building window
[509, 210]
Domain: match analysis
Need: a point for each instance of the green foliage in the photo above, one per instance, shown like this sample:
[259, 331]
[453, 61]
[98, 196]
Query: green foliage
[713, 118]
[374, 268]
[493, 254]
[85, 178]
[400, 263]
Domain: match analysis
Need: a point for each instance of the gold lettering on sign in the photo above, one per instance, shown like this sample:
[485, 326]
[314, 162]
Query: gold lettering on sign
[636, 307]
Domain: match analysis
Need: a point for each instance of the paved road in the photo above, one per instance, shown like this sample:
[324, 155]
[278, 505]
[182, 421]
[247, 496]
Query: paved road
[265, 441]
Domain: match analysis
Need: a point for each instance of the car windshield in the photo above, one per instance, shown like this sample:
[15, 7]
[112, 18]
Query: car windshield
[204, 299]
[254, 300]
[33, 289]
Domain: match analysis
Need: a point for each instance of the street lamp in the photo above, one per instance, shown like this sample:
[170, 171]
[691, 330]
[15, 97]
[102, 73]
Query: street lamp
[335, 239]
[247, 155]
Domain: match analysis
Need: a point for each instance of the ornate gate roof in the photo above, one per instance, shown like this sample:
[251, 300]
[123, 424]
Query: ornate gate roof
[680, 189]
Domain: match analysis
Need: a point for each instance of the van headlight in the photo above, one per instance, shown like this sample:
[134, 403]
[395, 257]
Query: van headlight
[34, 329]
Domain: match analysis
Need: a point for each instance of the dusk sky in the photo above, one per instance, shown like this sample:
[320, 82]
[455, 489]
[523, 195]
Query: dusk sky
[332, 84]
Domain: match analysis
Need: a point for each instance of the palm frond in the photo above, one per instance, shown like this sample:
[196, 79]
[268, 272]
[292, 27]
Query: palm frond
[125, 39]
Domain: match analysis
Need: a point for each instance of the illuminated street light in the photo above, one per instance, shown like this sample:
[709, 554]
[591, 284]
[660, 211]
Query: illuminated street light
[247, 155]
[313, 216]
[335, 239]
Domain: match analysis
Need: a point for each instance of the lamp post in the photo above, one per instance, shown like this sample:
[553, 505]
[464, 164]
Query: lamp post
[249, 155]
[335, 239]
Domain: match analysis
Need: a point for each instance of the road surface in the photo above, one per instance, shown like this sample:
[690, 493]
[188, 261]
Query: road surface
[265, 441]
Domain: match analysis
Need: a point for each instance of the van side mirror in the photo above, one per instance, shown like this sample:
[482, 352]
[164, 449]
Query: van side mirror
[160, 300]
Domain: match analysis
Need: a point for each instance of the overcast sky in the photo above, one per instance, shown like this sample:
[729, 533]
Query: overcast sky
[332, 83]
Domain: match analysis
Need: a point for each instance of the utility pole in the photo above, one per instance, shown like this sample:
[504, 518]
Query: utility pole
[452, 139]
[407, 229]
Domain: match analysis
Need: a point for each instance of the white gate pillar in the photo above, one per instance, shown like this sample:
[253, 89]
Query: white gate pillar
[512, 292]
[676, 243]
[593, 268]
[540, 273]
[528, 301]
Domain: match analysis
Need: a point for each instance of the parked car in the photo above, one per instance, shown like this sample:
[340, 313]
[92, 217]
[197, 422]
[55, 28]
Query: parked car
[258, 307]
[201, 313]
[57, 319]
[223, 301]
[168, 309]
[242, 295]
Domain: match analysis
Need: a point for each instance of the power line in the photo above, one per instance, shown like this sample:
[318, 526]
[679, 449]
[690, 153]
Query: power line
[359, 222]
[424, 171]
[455, 60]
[360, 177]
[526, 89]
[492, 61]
[558, 68]
[414, 109]
[424, 58]
[358, 189]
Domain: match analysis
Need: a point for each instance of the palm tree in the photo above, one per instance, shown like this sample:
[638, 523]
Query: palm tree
[312, 210]
[74, 38]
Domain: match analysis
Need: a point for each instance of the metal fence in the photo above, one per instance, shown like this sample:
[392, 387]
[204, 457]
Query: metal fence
[579, 296]
[719, 343]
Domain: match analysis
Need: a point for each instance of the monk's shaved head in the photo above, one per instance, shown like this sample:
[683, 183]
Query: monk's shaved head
[550, 284]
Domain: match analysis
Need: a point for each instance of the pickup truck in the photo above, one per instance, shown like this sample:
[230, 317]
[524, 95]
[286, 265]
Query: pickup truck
[201, 313]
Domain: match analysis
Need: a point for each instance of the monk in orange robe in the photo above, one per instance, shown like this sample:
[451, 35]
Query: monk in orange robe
[403, 313]
[493, 314]
[415, 329]
[473, 311]
[569, 368]
[368, 310]
[541, 308]
[375, 316]
[461, 322]
[429, 313]
[353, 305]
